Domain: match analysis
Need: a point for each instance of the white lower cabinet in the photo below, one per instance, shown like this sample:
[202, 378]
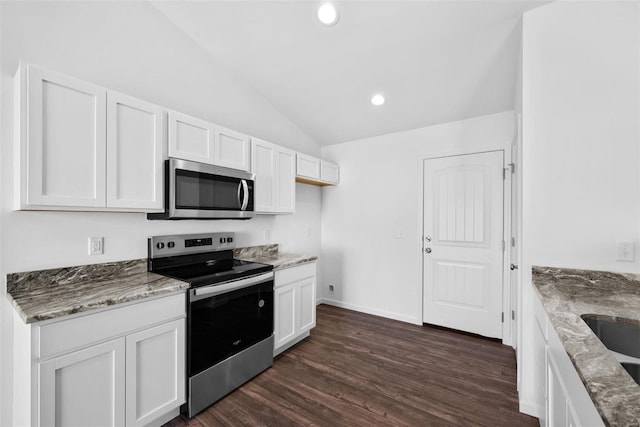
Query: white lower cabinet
[85, 387]
[118, 367]
[566, 400]
[295, 305]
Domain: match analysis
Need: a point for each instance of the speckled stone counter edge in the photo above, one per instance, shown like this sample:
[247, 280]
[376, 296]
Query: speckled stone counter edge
[568, 293]
[269, 254]
[48, 294]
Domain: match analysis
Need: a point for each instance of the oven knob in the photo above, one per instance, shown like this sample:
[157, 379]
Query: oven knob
[229, 239]
[160, 245]
[222, 240]
[171, 245]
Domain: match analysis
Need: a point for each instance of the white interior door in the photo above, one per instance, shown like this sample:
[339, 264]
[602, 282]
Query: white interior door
[463, 242]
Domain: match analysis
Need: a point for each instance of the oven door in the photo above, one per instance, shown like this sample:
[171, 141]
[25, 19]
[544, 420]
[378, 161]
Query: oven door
[226, 319]
[201, 191]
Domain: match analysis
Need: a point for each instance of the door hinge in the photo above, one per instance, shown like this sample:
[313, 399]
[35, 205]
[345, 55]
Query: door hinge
[504, 245]
[503, 317]
[504, 174]
[513, 315]
[513, 242]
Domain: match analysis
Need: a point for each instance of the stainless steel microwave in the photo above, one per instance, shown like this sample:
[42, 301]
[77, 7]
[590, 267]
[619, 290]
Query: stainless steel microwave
[199, 191]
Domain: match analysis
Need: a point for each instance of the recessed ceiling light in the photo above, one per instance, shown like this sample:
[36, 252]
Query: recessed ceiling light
[328, 14]
[377, 99]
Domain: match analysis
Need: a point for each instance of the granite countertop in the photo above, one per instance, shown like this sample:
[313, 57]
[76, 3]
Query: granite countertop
[269, 254]
[48, 294]
[566, 294]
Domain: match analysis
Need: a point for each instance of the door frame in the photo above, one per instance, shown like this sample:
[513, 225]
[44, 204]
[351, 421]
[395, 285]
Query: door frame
[509, 323]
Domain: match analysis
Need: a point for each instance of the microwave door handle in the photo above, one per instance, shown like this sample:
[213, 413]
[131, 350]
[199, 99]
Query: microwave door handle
[238, 195]
[245, 200]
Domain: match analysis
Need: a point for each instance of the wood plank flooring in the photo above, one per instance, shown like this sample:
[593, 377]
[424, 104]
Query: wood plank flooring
[362, 370]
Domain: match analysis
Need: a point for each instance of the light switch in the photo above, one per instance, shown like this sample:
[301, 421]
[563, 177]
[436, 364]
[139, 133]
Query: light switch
[625, 251]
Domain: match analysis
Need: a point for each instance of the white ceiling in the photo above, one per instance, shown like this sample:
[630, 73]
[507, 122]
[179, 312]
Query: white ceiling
[435, 61]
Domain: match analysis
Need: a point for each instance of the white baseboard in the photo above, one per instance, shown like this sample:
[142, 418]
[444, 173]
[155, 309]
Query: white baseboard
[530, 408]
[373, 311]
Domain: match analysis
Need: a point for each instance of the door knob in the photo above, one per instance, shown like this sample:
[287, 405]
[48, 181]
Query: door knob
[427, 238]
[427, 250]
[513, 267]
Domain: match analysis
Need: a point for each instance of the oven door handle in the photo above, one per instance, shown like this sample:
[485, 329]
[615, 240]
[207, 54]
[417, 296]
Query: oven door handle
[213, 290]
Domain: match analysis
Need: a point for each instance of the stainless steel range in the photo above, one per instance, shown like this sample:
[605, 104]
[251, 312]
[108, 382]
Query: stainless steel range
[229, 312]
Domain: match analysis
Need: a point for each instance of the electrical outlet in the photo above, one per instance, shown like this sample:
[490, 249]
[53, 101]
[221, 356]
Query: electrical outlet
[331, 289]
[398, 233]
[96, 245]
[625, 251]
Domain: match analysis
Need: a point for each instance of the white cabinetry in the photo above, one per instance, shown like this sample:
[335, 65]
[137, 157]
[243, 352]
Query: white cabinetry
[274, 167]
[231, 149]
[197, 140]
[82, 147]
[85, 387]
[119, 367]
[135, 151]
[329, 172]
[61, 140]
[190, 138]
[567, 402]
[311, 170]
[295, 305]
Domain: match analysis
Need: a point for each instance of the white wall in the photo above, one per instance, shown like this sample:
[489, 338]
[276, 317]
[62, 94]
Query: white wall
[581, 142]
[132, 48]
[378, 194]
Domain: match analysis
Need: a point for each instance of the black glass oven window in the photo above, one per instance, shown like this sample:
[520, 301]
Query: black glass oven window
[196, 190]
[224, 325]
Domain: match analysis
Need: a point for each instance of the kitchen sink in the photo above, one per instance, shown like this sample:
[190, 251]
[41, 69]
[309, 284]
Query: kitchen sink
[632, 369]
[616, 336]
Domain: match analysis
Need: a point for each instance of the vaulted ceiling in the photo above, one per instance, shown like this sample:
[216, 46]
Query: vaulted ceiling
[434, 61]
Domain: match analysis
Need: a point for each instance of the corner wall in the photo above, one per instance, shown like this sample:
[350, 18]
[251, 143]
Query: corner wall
[581, 146]
[371, 222]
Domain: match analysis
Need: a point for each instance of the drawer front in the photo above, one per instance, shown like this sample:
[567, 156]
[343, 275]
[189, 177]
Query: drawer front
[294, 274]
[65, 335]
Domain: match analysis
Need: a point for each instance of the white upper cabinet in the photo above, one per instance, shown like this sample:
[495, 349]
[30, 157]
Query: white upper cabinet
[274, 167]
[82, 147]
[329, 172]
[231, 149]
[197, 140]
[61, 140]
[286, 180]
[191, 138]
[307, 167]
[135, 152]
[311, 170]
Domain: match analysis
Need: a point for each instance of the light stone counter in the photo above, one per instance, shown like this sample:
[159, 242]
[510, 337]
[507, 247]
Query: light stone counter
[566, 295]
[269, 254]
[48, 294]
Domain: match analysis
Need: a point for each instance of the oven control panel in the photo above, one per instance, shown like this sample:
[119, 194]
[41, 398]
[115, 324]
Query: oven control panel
[163, 246]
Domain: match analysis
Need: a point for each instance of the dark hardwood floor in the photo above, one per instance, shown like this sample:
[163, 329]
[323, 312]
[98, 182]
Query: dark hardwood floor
[362, 370]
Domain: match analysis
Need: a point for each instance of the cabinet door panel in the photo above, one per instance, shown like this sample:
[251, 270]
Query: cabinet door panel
[307, 297]
[329, 172]
[155, 372]
[190, 138]
[285, 314]
[307, 166]
[135, 141]
[84, 388]
[286, 181]
[231, 149]
[67, 141]
[263, 165]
